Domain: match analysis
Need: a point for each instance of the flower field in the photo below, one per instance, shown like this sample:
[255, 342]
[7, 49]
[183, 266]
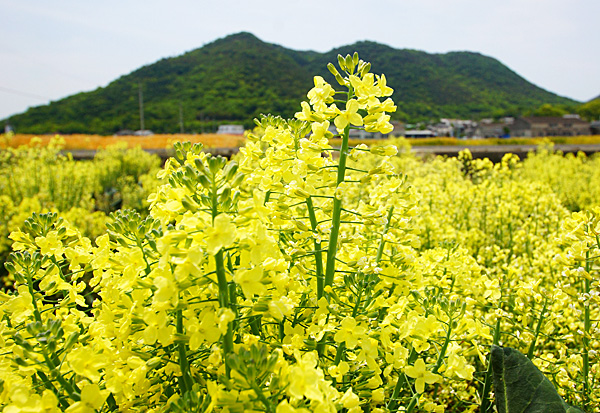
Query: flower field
[291, 280]
[93, 142]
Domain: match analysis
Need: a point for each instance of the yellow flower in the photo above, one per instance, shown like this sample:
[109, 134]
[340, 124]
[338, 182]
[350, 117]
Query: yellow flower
[349, 399]
[220, 235]
[422, 375]
[348, 116]
[305, 377]
[50, 244]
[458, 365]
[86, 363]
[250, 281]
[379, 122]
[92, 399]
[23, 401]
[321, 94]
[384, 90]
[365, 90]
[307, 114]
[349, 332]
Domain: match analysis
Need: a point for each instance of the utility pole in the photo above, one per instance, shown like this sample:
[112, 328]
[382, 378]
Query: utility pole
[141, 98]
[180, 118]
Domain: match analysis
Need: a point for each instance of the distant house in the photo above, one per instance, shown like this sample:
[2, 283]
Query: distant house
[458, 128]
[230, 130]
[549, 126]
[399, 129]
[489, 129]
[595, 127]
[419, 134]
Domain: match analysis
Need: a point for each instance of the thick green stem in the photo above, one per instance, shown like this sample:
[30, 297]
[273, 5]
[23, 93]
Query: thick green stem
[337, 211]
[268, 405]
[63, 402]
[185, 382]
[413, 403]
[224, 303]
[318, 255]
[537, 331]
[586, 332]
[36, 311]
[71, 391]
[400, 384]
[394, 397]
[486, 404]
[444, 348]
[233, 306]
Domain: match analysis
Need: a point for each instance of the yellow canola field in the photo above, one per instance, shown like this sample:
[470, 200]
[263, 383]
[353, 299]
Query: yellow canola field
[290, 280]
[93, 142]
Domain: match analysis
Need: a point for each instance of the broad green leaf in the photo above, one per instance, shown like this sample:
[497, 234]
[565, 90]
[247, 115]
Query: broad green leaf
[521, 388]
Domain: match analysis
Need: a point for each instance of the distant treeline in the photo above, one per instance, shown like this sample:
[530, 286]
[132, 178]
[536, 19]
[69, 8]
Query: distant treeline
[234, 79]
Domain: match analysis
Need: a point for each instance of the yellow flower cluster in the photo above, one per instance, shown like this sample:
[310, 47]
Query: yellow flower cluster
[304, 278]
[41, 179]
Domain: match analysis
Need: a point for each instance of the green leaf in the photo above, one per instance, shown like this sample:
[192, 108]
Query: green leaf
[521, 388]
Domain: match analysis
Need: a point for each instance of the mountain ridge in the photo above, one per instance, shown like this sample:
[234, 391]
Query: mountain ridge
[237, 77]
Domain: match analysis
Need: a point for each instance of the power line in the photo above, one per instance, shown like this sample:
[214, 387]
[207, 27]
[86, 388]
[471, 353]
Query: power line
[25, 94]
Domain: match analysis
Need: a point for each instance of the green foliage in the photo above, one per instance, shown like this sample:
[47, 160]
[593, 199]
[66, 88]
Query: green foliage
[239, 77]
[590, 110]
[520, 387]
[549, 110]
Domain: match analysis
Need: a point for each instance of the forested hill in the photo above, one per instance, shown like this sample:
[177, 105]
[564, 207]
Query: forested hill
[236, 78]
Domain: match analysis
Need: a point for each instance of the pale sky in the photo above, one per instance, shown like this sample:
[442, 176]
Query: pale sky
[53, 49]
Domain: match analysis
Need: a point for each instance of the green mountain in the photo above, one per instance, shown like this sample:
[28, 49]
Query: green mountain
[236, 78]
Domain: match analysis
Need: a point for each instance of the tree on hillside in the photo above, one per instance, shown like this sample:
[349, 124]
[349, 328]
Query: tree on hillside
[549, 110]
[590, 111]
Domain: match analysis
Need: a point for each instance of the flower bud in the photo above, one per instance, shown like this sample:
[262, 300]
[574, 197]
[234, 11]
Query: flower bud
[301, 193]
[154, 362]
[333, 70]
[341, 62]
[230, 170]
[348, 64]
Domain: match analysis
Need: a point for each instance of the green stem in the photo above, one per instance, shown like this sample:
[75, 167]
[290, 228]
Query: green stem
[402, 381]
[486, 403]
[185, 382]
[537, 331]
[73, 394]
[36, 311]
[63, 402]
[224, 303]
[413, 403]
[394, 397]
[385, 231]
[214, 204]
[262, 398]
[141, 247]
[440, 359]
[318, 255]
[337, 211]
[586, 333]
[233, 306]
